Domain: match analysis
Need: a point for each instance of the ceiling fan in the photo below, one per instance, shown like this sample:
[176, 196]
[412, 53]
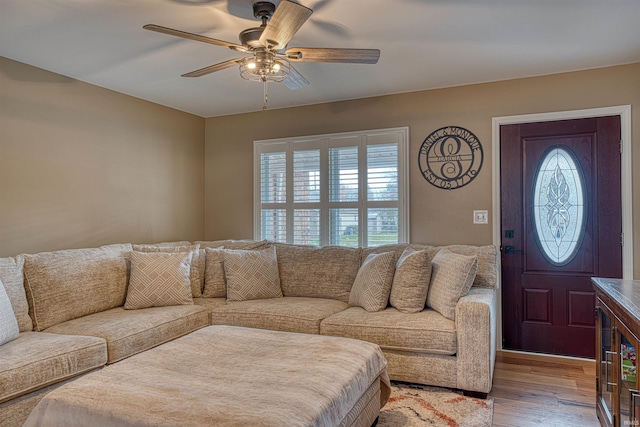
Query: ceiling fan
[269, 57]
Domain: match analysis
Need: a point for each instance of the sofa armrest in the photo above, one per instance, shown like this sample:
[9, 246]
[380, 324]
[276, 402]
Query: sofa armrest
[476, 327]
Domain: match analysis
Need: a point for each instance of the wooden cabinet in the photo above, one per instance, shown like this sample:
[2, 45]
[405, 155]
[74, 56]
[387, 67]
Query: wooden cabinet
[617, 332]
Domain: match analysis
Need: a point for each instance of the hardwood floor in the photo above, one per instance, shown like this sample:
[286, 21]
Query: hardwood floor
[543, 391]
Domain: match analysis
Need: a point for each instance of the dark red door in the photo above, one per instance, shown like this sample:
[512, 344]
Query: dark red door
[561, 225]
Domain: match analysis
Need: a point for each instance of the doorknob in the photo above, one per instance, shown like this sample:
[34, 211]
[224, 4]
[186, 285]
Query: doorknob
[512, 250]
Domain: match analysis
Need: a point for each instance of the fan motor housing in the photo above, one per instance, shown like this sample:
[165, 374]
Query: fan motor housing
[263, 9]
[251, 37]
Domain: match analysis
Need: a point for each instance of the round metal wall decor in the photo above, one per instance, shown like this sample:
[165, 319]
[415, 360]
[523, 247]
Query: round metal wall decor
[450, 157]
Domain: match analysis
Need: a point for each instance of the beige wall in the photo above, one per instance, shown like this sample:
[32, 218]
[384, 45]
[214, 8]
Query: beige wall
[437, 216]
[83, 166]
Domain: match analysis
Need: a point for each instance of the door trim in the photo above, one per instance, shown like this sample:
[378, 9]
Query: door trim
[624, 111]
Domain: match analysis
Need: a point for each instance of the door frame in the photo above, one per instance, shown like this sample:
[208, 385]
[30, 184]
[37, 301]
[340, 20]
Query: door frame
[624, 111]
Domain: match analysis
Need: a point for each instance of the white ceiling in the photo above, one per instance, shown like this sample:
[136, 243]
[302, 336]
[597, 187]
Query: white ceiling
[424, 44]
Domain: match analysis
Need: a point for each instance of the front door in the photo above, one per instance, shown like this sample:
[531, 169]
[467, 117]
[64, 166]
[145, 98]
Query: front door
[561, 225]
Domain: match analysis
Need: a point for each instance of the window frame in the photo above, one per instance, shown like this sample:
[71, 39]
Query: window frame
[324, 142]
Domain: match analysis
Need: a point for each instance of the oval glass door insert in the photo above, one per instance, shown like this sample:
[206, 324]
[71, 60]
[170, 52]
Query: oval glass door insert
[559, 205]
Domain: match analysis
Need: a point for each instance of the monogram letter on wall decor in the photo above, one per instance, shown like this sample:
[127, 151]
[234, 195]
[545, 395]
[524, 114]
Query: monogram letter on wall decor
[450, 157]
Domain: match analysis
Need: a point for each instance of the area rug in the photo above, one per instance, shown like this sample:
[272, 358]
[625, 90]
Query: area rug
[416, 405]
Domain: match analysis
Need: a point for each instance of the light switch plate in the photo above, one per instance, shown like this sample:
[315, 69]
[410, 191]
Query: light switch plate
[481, 217]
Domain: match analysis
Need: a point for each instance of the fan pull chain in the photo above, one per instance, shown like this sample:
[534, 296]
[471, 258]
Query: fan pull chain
[266, 96]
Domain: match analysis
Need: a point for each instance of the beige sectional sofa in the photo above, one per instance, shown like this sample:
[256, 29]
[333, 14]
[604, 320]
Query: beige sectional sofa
[70, 310]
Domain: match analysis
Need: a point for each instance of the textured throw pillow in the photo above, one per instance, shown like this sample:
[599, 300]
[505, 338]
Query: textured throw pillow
[196, 260]
[451, 278]
[411, 281]
[252, 274]
[9, 330]
[373, 282]
[159, 279]
[12, 275]
[215, 284]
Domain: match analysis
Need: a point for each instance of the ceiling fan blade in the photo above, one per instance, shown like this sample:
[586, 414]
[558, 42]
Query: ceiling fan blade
[320, 4]
[191, 36]
[285, 22]
[295, 80]
[332, 28]
[313, 54]
[213, 68]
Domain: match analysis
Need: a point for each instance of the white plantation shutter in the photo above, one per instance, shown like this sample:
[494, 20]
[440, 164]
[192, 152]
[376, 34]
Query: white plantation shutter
[343, 174]
[306, 176]
[382, 194]
[344, 226]
[348, 189]
[306, 226]
[273, 195]
[306, 197]
[382, 172]
[274, 225]
[344, 195]
[382, 226]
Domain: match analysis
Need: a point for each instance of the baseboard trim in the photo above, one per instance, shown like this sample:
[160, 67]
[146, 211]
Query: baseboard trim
[551, 358]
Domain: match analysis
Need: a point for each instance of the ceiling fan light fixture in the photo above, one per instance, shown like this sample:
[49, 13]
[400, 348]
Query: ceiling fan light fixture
[269, 58]
[264, 68]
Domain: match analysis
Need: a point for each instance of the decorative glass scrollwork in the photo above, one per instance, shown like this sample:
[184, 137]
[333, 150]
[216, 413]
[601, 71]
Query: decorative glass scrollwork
[559, 205]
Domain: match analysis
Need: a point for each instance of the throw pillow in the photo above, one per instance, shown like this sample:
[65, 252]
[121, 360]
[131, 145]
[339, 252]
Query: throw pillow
[9, 330]
[411, 281]
[252, 274]
[159, 279]
[371, 288]
[12, 275]
[197, 261]
[215, 284]
[451, 278]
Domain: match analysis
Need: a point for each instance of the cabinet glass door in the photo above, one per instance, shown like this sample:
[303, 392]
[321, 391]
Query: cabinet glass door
[629, 398]
[606, 371]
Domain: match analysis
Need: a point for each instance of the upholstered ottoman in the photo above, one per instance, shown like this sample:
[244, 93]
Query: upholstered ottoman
[231, 376]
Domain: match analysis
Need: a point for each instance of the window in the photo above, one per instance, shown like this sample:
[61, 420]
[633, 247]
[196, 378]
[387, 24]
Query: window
[348, 189]
[559, 205]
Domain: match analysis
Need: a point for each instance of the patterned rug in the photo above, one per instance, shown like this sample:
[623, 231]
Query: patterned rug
[417, 405]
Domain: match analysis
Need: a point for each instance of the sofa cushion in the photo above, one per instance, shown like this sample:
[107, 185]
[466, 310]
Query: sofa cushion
[411, 281]
[9, 330]
[451, 278]
[159, 279]
[12, 276]
[398, 248]
[488, 262]
[37, 359]
[373, 282]
[128, 332]
[68, 284]
[288, 314]
[210, 304]
[310, 271]
[215, 284]
[233, 244]
[251, 274]
[197, 258]
[424, 332]
[171, 244]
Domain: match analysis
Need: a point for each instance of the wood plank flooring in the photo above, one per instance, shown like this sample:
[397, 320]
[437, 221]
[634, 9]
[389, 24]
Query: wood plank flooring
[543, 391]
